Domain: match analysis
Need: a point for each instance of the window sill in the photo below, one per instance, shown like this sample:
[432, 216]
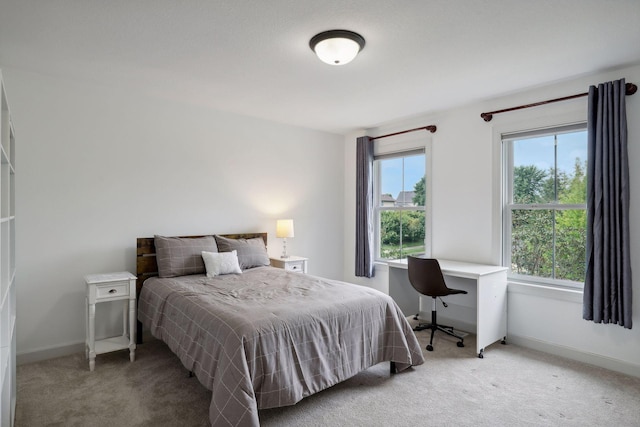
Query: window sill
[546, 291]
[382, 264]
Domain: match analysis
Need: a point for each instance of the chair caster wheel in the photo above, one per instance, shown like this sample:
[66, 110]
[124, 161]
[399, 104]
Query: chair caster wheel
[429, 347]
[460, 344]
[480, 356]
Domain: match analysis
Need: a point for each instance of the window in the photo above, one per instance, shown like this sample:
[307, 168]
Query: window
[400, 199]
[545, 217]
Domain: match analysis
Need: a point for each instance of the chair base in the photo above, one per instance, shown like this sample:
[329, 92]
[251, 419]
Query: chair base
[434, 326]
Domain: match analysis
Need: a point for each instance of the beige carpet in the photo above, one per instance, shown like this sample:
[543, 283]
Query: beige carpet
[511, 386]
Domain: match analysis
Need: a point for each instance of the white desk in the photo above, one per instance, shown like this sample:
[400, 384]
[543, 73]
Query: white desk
[489, 281]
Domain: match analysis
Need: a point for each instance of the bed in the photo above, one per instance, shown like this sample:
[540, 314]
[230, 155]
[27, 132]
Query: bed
[262, 337]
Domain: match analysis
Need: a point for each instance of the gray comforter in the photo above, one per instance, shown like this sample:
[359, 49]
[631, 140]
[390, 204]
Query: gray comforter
[268, 337]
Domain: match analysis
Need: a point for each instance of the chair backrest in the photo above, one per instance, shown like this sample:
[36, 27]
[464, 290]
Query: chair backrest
[426, 277]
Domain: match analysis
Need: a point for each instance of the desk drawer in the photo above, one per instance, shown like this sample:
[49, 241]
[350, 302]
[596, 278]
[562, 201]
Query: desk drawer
[112, 290]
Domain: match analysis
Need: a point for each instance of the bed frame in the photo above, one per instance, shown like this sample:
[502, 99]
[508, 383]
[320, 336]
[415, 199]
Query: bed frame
[147, 266]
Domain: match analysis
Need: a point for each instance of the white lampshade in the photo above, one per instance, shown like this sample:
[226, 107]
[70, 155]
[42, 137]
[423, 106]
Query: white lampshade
[337, 51]
[284, 228]
[337, 47]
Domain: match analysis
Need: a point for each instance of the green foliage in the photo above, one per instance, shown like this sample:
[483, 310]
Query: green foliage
[576, 186]
[420, 193]
[528, 183]
[410, 222]
[571, 239]
[531, 242]
[538, 247]
[402, 232]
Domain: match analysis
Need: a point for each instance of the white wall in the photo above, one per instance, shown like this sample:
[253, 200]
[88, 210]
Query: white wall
[466, 216]
[97, 168]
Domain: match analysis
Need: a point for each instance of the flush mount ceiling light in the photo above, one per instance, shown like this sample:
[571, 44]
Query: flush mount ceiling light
[337, 47]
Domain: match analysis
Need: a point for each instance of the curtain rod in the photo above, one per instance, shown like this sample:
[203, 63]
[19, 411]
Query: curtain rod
[630, 90]
[430, 128]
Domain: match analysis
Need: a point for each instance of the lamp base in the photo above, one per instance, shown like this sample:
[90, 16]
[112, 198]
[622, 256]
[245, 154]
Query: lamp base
[284, 249]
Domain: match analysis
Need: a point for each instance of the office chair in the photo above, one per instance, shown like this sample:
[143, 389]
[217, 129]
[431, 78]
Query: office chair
[426, 277]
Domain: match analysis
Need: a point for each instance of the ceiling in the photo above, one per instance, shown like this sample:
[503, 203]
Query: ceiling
[253, 57]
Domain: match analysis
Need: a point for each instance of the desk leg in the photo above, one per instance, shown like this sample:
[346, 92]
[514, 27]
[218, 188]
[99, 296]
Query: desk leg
[491, 310]
[92, 336]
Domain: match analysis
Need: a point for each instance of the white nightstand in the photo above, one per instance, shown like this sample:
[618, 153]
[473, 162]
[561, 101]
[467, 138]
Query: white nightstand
[110, 287]
[292, 263]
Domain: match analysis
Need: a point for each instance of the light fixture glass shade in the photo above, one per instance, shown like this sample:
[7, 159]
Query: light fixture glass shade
[337, 47]
[284, 228]
[337, 51]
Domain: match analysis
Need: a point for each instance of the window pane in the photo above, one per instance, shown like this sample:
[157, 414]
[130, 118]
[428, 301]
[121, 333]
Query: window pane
[390, 180]
[572, 168]
[571, 238]
[402, 189]
[402, 181]
[547, 169]
[533, 164]
[412, 233]
[390, 234]
[532, 242]
[402, 233]
[414, 188]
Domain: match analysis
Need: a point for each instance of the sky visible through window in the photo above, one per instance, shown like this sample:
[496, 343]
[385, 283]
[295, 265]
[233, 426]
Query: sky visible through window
[539, 151]
[391, 171]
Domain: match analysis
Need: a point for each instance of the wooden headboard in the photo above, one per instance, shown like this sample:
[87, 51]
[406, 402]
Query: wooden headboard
[146, 265]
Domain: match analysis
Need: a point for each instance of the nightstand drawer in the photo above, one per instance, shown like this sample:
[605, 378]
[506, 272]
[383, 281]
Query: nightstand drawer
[112, 290]
[294, 266]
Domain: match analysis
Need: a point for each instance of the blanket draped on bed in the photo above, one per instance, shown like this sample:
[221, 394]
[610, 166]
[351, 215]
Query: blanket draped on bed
[268, 338]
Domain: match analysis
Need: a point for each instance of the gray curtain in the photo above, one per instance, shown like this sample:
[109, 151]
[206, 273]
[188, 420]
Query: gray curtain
[364, 207]
[607, 287]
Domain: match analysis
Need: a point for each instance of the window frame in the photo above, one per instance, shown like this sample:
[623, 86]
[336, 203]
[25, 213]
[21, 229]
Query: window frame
[507, 205]
[398, 150]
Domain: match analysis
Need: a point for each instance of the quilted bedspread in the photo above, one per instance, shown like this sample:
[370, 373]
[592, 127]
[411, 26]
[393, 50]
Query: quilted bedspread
[268, 337]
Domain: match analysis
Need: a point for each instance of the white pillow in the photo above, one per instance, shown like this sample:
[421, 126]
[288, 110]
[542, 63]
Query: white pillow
[217, 263]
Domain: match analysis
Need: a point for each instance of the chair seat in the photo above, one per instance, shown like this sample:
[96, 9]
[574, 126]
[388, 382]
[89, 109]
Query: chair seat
[448, 291]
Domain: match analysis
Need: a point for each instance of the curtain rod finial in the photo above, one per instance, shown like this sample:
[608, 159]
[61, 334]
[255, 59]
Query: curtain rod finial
[631, 88]
[486, 117]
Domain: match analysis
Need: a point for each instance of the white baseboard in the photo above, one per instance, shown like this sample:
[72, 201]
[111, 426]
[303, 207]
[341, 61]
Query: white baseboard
[575, 354]
[48, 353]
[52, 352]
[556, 349]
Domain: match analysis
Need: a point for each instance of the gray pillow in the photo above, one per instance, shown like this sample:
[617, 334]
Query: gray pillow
[251, 252]
[178, 256]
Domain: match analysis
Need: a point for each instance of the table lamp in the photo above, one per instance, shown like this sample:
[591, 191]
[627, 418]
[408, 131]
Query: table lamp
[284, 229]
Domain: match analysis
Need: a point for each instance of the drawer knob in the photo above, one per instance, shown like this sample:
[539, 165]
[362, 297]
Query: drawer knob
[112, 291]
